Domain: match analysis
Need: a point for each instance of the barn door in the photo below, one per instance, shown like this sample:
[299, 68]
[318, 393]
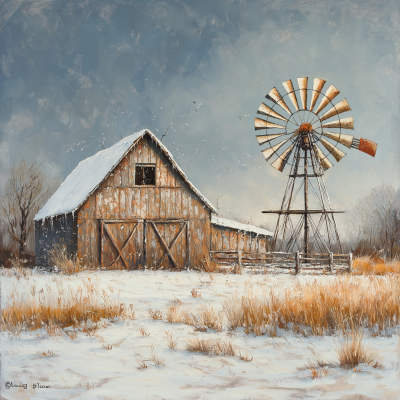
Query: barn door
[167, 244]
[121, 244]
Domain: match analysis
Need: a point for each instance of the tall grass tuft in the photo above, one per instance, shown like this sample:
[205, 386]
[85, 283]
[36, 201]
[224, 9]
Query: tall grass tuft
[343, 304]
[61, 307]
[59, 258]
[351, 352]
[364, 266]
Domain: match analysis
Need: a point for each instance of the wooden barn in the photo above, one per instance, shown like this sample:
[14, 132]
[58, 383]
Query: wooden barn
[131, 206]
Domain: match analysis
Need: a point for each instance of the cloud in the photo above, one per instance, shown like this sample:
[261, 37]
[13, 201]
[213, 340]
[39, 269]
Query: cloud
[101, 70]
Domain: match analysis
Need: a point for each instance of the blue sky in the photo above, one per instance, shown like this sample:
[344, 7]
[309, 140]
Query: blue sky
[78, 74]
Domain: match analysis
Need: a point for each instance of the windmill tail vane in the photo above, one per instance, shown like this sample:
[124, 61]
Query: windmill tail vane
[307, 137]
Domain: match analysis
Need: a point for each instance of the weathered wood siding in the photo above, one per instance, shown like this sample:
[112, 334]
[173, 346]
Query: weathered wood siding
[119, 199]
[52, 231]
[229, 239]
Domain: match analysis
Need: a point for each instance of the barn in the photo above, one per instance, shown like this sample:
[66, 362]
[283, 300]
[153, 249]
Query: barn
[131, 206]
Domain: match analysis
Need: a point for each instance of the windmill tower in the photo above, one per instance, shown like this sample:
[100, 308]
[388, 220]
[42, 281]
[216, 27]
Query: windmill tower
[308, 142]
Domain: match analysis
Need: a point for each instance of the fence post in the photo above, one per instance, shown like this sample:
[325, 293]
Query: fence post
[350, 263]
[330, 261]
[239, 266]
[297, 261]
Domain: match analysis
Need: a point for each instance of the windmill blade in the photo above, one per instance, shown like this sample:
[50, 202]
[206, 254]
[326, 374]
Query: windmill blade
[288, 85]
[303, 91]
[342, 138]
[366, 146]
[268, 153]
[345, 123]
[317, 88]
[282, 160]
[265, 110]
[262, 139]
[330, 94]
[261, 124]
[326, 164]
[340, 107]
[275, 97]
[337, 153]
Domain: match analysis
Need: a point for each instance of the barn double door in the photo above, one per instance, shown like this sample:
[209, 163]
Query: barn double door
[133, 244]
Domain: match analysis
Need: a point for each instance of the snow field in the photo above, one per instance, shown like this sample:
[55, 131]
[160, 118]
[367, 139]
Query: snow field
[84, 368]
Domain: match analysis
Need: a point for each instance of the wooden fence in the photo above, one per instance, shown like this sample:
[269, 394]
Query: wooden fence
[291, 261]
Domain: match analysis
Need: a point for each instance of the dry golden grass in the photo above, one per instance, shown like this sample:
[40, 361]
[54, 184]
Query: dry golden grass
[318, 373]
[207, 318]
[59, 307]
[159, 362]
[157, 314]
[143, 332]
[171, 340]
[216, 347]
[59, 258]
[363, 266]
[195, 293]
[351, 352]
[343, 304]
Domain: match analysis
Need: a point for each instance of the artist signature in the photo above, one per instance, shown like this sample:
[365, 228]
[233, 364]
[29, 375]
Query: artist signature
[35, 385]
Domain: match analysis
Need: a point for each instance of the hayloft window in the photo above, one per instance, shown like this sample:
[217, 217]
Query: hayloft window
[145, 174]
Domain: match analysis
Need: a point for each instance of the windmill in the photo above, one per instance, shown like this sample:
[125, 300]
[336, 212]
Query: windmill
[308, 138]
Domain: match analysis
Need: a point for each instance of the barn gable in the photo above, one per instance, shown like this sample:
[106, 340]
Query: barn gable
[91, 172]
[165, 214]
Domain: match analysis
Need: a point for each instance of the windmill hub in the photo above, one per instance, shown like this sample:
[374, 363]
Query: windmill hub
[304, 131]
[305, 128]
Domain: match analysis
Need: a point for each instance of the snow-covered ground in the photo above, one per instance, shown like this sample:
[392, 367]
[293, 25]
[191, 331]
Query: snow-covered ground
[83, 369]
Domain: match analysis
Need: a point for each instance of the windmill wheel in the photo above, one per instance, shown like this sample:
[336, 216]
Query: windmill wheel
[304, 125]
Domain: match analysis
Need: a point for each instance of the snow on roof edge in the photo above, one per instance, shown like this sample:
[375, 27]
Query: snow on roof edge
[228, 223]
[43, 213]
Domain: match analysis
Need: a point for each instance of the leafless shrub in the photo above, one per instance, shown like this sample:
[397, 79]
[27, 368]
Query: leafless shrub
[246, 357]
[141, 363]
[26, 190]
[48, 353]
[157, 315]
[106, 346]
[171, 340]
[195, 293]
[318, 373]
[143, 332]
[159, 362]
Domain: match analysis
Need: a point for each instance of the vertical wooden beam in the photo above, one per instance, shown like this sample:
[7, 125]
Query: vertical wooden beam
[297, 261]
[330, 262]
[239, 269]
[350, 263]
[144, 244]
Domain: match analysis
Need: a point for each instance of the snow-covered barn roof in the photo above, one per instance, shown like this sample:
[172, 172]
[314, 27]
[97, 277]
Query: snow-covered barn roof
[89, 174]
[228, 223]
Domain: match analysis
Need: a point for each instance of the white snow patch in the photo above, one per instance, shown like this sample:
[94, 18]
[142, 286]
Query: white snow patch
[228, 223]
[83, 369]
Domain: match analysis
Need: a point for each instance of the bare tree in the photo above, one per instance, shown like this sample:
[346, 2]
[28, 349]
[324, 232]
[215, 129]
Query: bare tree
[27, 189]
[375, 220]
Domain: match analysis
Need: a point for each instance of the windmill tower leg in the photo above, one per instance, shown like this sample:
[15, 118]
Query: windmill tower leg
[306, 236]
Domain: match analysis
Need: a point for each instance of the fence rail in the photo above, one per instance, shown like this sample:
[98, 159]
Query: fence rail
[296, 261]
